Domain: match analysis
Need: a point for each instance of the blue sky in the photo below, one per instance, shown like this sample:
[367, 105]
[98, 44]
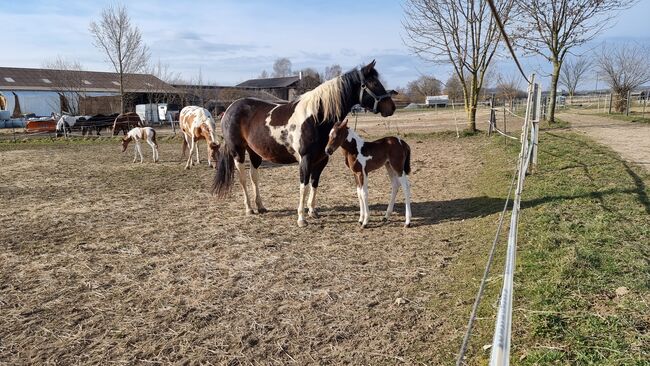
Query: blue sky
[231, 41]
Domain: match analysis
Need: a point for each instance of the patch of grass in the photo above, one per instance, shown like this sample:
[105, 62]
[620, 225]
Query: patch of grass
[631, 118]
[584, 232]
[559, 123]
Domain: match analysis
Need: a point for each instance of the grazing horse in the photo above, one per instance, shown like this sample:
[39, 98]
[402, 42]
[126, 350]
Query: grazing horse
[293, 132]
[126, 121]
[197, 124]
[141, 133]
[363, 157]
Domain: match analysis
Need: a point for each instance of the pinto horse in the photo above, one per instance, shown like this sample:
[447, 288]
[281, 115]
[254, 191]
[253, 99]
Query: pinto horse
[197, 124]
[293, 132]
[363, 157]
[147, 134]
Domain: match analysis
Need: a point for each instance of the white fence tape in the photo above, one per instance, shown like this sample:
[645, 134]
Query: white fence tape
[530, 131]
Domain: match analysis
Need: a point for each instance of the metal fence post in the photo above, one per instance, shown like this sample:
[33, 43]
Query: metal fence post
[610, 103]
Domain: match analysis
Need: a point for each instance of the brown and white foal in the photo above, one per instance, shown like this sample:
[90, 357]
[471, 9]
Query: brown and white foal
[141, 133]
[363, 157]
[197, 124]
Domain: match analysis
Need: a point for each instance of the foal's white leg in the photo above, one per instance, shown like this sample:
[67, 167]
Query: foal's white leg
[256, 190]
[404, 179]
[139, 148]
[242, 180]
[360, 204]
[394, 187]
[154, 151]
[366, 217]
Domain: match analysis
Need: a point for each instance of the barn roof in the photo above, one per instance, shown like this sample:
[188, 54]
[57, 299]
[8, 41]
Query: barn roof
[270, 83]
[14, 78]
[228, 94]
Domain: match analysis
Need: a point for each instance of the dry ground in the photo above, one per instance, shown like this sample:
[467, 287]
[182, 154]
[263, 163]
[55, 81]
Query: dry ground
[102, 260]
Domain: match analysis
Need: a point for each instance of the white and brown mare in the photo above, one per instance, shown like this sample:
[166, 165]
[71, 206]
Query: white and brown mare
[293, 132]
[197, 123]
[362, 157]
[136, 134]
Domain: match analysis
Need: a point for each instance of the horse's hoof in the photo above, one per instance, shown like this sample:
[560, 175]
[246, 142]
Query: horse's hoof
[302, 223]
[313, 214]
[187, 167]
[384, 219]
[262, 210]
[408, 224]
[363, 226]
[250, 212]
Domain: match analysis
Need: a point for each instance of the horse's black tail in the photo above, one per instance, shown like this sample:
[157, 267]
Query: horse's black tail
[223, 178]
[407, 161]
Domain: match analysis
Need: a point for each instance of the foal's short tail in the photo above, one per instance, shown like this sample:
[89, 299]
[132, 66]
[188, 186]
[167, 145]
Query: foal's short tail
[407, 161]
[153, 138]
[225, 173]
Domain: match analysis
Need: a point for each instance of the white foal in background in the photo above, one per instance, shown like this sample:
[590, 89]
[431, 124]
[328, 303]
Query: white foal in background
[141, 133]
[197, 124]
[363, 157]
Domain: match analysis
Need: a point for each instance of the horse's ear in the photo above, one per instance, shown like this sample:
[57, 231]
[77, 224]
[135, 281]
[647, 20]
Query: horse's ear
[369, 67]
[344, 124]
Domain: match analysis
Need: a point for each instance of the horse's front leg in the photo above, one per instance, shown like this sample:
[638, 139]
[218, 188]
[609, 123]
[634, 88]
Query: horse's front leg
[196, 146]
[305, 174]
[315, 178]
[137, 145]
[189, 158]
[364, 195]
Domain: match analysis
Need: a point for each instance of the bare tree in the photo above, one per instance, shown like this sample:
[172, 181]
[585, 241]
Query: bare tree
[121, 43]
[509, 88]
[454, 88]
[281, 67]
[308, 71]
[573, 72]
[263, 75]
[158, 90]
[332, 71]
[625, 67]
[66, 82]
[461, 33]
[551, 28]
[422, 87]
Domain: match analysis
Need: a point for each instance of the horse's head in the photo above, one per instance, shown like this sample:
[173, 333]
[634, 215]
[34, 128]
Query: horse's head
[214, 153]
[338, 134]
[125, 142]
[373, 96]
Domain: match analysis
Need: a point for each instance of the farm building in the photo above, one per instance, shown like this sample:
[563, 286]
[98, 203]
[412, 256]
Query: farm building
[43, 91]
[287, 88]
[217, 98]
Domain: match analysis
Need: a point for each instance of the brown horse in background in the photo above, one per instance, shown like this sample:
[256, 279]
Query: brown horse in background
[125, 122]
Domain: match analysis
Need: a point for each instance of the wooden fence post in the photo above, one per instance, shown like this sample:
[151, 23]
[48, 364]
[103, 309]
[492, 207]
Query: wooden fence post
[610, 103]
[627, 110]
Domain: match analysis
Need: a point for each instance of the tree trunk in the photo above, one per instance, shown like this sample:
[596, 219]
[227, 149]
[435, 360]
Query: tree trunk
[553, 96]
[471, 102]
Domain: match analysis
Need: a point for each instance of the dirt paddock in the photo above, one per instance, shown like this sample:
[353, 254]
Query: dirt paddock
[105, 261]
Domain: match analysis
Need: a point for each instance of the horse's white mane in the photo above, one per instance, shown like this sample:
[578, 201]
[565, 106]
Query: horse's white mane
[328, 94]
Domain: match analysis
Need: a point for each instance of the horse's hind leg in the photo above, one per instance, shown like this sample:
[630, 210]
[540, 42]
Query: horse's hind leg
[305, 174]
[394, 182]
[239, 164]
[404, 180]
[256, 161]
